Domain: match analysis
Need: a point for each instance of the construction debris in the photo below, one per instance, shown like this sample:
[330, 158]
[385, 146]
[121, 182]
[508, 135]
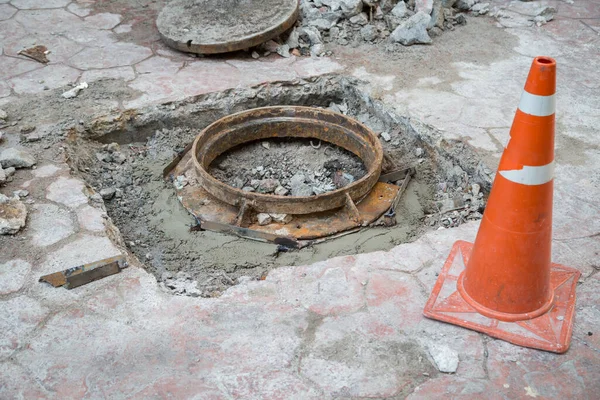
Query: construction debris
[13, 214]
[84, 274]
[37, 53]
[12, 157]
[72, 93]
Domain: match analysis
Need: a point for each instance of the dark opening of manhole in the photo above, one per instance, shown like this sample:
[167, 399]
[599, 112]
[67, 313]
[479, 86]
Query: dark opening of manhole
[446, 189]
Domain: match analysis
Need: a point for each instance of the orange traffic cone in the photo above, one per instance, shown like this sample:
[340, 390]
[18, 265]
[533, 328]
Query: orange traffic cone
[505, 285]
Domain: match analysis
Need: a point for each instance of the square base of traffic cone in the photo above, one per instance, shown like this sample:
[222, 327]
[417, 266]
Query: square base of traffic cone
[550, 331]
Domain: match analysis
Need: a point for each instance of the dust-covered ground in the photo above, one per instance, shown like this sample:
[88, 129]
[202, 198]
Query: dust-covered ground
[156, 227]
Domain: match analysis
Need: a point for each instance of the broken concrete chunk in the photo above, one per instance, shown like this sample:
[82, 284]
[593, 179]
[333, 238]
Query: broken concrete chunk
[400, 10]
[12, 157]
[108, 193]
[292, 40]
[281, 218]
[465, 5]
[72, 93]
[413, 30]
[350, 7]
[445, 359]
[369, 33]
[480, 8]
[280, 191]
[424, 5]
[360, 19]
[13, 215]
[283, 50]
[267, 185]
[263, 219]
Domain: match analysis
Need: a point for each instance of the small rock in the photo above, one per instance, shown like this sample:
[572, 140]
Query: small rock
[267, 185]
[321, 24]
[103, 156]
[480, 8]
[21, 193]
[13, 215]
[281, 218]
[465, 5]
[311, 34]
[292, 40]
[32, 138]
[460, 19]
[425, 6]
[350, 7]
[248, 189]
[283, 50]
[360, 19]
[10, 171]
[180, 182]
[255, 55]
[475, 188]
[399, 10]
[266, 145]
[445, 359]
[72, 93]
[385, 136]
[263, 219]
[113, 147]
[419, 152]
[369, 33]
[108, 193]
[413, 30]
[317, 49]
[12, 157]
[280, 191]
[27, 129]
[3, 115]
[3, 176]
[119, 157]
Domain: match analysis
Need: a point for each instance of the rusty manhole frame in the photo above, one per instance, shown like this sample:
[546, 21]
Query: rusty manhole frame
[370, 201]
[287, 122]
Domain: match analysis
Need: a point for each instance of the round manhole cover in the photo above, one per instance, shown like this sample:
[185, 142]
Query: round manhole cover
[219, 26]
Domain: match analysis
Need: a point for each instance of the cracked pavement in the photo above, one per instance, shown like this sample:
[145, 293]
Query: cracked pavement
[349, 327]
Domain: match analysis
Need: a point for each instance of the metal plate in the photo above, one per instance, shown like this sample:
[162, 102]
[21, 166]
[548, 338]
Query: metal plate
[220, 26]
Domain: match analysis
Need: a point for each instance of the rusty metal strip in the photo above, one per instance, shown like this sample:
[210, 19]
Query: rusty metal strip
[83, 274]
[396, 175]
[167, 170]
[389, 218]
[253, 234]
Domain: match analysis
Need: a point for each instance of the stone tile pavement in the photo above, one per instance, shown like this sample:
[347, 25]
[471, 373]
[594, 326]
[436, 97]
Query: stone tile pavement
[349, 327]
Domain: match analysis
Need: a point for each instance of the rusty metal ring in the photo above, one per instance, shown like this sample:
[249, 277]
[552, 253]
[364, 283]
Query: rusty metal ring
[292, 122]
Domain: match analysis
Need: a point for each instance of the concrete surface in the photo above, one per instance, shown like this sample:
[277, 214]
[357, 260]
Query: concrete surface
[349, 327]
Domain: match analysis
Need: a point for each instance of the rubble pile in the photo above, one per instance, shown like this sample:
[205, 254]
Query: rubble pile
[288, 167]
[353, 21]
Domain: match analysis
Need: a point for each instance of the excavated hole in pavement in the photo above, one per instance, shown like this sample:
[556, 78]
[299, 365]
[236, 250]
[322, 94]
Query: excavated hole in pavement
[123, 156]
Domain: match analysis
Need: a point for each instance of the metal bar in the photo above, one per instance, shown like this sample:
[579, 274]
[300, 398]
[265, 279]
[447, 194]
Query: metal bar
[83, 274]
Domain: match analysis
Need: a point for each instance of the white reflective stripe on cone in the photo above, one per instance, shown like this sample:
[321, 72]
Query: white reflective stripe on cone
[530, 175]
[539, 106]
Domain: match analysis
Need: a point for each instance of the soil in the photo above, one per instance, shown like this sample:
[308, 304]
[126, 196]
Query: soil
[156, 228]
[266, 166]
